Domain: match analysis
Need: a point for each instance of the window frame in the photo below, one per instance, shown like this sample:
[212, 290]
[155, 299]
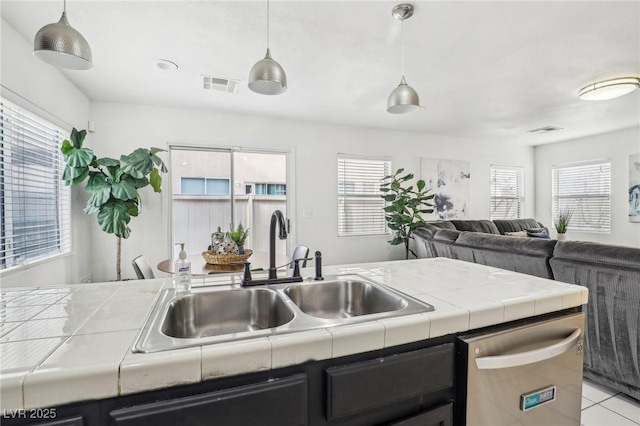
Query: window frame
[574, 169]
[519, 198]
[347, 190]
[289, 209]
[29, 128]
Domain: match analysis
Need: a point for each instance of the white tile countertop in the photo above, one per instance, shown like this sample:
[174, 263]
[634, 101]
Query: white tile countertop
[65, 344]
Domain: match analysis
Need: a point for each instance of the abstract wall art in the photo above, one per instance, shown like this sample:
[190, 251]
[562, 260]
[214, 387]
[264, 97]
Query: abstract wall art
[449, 181]
[634, 188]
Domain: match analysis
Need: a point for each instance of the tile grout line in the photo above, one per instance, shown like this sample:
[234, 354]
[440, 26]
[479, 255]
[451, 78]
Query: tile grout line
[620, 414]
[606, 408]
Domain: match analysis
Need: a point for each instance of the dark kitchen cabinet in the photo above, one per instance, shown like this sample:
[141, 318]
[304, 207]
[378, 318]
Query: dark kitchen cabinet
[439, 416]
[390, 387]
[407, 385]
[76, 414]
[271, 403]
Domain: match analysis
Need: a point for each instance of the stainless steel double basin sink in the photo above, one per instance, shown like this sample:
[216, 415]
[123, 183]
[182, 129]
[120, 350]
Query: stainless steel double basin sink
[226, 313]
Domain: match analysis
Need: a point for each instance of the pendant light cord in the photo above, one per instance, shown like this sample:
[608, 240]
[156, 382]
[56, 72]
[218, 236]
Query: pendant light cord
[267, 24]
[402, 44]
[64, 6]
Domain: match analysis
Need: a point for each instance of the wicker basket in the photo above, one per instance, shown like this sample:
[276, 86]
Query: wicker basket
[225, 259]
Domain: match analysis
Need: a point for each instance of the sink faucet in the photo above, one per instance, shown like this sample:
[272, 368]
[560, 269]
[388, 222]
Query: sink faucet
[277, 218]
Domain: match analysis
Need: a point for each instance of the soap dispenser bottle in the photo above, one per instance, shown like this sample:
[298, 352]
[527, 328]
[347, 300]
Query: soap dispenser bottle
[182, 277]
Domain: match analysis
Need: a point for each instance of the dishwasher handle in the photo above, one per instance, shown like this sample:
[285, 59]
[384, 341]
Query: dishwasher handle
[529, 357]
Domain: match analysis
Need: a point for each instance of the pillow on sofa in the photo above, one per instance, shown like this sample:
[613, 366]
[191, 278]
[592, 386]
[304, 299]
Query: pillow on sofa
[538, 235]
[519, 234]
[530, 230]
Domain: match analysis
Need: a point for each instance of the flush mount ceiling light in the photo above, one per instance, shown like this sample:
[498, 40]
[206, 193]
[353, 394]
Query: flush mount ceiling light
[609, 89]
[267, 76]
[166, 65]
[403, 99]
[59, 44]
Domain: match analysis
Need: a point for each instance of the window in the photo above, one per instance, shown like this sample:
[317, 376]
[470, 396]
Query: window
[201, 203]
[204, 186]
[270, 188]
[585, 190]
[507, 192]
[35, 209]
[360, 207]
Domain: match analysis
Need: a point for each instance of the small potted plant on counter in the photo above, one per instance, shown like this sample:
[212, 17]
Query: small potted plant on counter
[239, 235]
[561, 223]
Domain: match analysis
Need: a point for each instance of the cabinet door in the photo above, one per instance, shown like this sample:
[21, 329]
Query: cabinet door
[75, 421]
[440, 416]
[370, 384]
[277, 402]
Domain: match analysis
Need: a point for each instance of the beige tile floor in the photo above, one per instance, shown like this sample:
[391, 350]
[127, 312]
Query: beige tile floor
[604, 407]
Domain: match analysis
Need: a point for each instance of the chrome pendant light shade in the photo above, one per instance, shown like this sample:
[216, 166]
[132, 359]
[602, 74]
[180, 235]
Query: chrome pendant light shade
[267, 77]
[61, 45]
[403, 99]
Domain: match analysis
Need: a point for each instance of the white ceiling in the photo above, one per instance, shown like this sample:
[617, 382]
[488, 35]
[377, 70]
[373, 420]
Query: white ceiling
[483, 70]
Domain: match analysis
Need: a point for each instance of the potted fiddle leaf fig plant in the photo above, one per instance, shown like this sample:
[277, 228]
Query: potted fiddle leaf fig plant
[406, 204]
[112, 184]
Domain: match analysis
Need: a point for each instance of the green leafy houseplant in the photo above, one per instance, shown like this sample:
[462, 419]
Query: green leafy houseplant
[406, 206]
[239, 235]
[112, 184]
[562, 220]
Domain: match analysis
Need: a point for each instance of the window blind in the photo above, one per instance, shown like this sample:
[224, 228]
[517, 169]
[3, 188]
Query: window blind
[35, 211]
[584, 190]
[507, 192]
[360, 207]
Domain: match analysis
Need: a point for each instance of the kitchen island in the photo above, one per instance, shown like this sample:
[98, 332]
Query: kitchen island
[69, 344]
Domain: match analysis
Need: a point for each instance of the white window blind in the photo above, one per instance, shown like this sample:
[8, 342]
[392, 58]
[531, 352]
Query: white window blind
[35, 212]
[360, 207]
[507, 192]
[585, 190]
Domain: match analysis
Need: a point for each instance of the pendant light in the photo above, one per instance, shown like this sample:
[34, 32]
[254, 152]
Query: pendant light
[59, 44]
[609, 89]
[403, 99]
[267, 76]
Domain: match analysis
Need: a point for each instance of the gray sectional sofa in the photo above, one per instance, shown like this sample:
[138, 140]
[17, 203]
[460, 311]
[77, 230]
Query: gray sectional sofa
[611, 273]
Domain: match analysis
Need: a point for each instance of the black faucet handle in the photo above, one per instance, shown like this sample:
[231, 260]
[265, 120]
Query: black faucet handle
[246, 278]
[296, 265]
[318, 265]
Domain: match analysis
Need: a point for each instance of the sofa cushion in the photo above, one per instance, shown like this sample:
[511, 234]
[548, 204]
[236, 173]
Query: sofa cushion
[514, 225]
[519, 234]
[527, 255]
[485, 226]
[525, 246]
[612, 275]
[428, 229]
[443, 224]
[599, 254]
[442, 241]
[446, 235]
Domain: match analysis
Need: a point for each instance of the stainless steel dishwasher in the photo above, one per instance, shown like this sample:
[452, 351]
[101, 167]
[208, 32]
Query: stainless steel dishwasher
[529, 374]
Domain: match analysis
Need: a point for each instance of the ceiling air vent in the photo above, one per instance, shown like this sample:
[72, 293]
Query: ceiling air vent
[220, 84]
[546, 129]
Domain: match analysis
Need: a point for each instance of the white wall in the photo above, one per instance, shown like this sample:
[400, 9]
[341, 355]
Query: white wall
[314, 148]
[44, 90]
[617, 146]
